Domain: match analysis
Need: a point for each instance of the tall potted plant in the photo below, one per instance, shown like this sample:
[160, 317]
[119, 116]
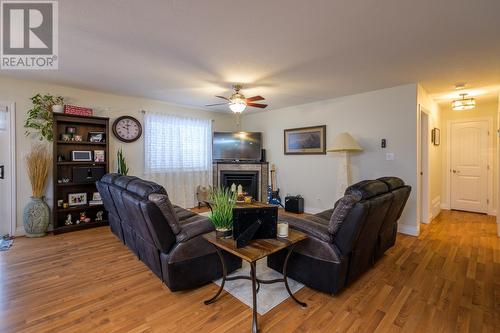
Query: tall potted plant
[223, 201]
[36, 212]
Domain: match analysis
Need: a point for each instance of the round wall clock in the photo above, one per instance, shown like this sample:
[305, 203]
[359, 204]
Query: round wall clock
[127, 129]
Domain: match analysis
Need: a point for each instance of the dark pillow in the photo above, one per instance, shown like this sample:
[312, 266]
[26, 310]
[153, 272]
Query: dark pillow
[342, 208]
[163, 202]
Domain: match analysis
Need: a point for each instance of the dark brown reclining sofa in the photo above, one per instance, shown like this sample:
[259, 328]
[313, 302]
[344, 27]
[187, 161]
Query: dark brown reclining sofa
[347, 240]
[167, 238]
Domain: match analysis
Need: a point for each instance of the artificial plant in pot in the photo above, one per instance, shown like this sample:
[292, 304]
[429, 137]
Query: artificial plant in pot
[36, 213]
[122, 164]
[223, 200]
[40, 115]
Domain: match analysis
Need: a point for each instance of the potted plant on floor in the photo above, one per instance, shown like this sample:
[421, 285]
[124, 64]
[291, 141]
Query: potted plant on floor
[36, 213]
[222, 201]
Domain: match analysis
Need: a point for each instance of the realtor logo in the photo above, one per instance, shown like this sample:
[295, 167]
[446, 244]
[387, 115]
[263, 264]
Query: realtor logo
[29, 35]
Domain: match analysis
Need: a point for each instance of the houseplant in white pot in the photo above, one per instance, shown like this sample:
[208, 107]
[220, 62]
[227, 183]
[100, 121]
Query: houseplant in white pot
[222, 203]
[36, 213]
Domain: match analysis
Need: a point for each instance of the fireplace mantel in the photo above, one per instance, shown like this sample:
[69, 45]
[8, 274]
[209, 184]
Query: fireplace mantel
[262, 168]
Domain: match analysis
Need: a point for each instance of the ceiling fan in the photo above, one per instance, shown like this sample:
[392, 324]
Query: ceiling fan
[238, 102]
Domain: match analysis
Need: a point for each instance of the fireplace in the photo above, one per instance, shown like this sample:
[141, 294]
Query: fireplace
[253, 177]
[247, 179]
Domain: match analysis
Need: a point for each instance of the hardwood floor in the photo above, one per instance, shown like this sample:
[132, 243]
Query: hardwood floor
[448, 279]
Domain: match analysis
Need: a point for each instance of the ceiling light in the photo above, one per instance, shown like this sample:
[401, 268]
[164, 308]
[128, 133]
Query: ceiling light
[237, 105]
[464, 103]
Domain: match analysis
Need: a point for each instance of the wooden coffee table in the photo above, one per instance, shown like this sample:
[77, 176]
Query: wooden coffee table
[255, 250]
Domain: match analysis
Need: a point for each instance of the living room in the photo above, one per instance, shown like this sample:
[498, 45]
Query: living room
[414, 86]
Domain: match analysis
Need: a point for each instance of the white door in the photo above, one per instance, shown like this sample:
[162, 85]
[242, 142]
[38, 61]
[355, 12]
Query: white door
[6, 181]
[469, 166]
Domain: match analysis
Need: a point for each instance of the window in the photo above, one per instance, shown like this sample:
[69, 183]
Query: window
[175, 143]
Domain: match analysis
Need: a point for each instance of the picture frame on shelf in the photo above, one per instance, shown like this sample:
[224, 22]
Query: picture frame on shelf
[99, 156]
[81, 156]
[77, 199]
[305, 140]
[99, 137]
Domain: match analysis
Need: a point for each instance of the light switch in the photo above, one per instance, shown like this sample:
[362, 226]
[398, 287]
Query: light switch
[389, 156]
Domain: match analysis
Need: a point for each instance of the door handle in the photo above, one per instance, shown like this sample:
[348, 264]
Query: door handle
[2, 171]
[456, 171]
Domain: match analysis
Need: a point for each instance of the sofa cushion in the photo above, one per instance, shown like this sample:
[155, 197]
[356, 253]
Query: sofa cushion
[367, 189]
[194, 226]
[342, 209]
[164, 204]
[392, 182]
[311, 225]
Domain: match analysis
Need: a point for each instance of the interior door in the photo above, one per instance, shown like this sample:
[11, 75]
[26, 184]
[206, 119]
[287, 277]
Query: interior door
[469, 166]
[5, 170]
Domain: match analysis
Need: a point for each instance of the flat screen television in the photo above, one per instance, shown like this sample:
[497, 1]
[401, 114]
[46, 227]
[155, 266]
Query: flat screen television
[237, 146]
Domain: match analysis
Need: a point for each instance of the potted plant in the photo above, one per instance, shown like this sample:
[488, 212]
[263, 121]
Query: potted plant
[36, 212]
[222, 201]
[58, 106]
[40, 115]
[122, 164]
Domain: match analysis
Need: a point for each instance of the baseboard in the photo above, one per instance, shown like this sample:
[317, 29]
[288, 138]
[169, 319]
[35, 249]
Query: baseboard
[492, 212]
[436, 207]
[445, 205]
[19, 231]
[408, 229]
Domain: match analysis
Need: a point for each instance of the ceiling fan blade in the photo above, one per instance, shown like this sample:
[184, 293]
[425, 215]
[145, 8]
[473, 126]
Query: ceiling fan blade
[227, 99]
[255, 98]
[257, 105]
[216, 104]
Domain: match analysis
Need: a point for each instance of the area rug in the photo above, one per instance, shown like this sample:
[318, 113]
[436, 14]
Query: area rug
[5, 244]
[269, 296]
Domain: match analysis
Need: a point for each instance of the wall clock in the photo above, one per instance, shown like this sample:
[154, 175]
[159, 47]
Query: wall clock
[127, 129]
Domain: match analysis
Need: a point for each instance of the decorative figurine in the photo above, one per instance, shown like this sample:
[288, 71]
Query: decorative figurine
[98, 216]
[65, 205]
[68, 220]
[87, 220]
[60, 158]
[83, 216]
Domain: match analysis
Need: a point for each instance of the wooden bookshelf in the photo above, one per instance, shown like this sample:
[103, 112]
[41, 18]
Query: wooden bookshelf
[64, 169]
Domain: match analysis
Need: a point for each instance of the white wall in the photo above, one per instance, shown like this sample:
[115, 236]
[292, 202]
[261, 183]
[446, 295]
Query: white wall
[434, 153]
[369, 117]
[107, 105]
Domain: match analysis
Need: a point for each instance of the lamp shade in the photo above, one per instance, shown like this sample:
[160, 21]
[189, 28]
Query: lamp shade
[344, 142]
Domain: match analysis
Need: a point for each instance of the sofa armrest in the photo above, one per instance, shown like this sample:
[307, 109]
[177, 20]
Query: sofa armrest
[311, 225]
[194, 226]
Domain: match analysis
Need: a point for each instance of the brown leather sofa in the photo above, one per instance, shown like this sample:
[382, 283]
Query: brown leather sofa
[347, 240]
[165, 237]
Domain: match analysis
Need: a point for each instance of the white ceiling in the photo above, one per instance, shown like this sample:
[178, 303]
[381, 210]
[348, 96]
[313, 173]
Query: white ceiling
[290, 51]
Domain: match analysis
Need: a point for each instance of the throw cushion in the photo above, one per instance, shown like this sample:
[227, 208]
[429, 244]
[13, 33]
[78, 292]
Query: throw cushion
[165, 206]
[342, 208]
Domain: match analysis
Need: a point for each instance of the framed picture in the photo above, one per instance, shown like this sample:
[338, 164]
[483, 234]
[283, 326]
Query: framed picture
[99, 156]
[81, 155]
[96, 196]
[77, 199]
[97, 137]
[305, 140]
[436, 136]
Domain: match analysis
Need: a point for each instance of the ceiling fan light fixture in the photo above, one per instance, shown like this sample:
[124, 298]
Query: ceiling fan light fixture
[237, 105]
[463, 103]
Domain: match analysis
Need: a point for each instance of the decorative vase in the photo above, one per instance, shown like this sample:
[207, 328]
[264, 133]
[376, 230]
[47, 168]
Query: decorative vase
[36, 217]
[223, 233]
[57, 108]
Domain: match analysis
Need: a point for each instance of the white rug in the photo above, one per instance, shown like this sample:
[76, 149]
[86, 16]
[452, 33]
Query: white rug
[269, 295]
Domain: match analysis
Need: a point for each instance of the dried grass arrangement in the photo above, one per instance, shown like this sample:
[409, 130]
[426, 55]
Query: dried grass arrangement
[38, 161]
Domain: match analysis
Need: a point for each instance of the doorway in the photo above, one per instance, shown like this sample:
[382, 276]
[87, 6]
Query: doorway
[470, 165]
[7, 169]
[423, 165]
